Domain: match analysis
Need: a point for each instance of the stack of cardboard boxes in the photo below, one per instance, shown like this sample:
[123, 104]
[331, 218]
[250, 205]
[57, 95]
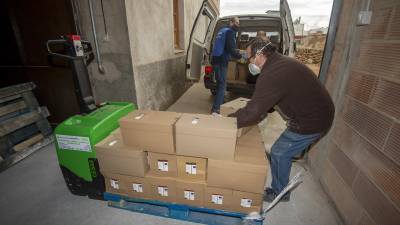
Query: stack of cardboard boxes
[190, 159]
[237, 72]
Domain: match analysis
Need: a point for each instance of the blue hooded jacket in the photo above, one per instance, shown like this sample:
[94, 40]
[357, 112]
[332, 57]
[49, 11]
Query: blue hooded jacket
[224, 46]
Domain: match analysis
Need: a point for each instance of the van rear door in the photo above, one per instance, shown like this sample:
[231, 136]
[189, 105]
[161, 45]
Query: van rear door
[287, 28]
[197, 51]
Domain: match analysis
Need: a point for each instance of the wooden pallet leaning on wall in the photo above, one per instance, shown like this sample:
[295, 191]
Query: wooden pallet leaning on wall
[23, 124]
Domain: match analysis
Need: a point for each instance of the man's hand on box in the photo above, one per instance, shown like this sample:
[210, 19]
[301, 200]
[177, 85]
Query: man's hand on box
[243, 59]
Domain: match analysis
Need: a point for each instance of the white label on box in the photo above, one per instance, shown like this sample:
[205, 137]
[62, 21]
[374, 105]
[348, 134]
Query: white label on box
[162, 165]
[163, 191]
[114, 184]
[77, 143]
[195, 120]
[137, 188]
[217, 199]
[113, 143]
[191, 168]
[189, 195]
[245, 202]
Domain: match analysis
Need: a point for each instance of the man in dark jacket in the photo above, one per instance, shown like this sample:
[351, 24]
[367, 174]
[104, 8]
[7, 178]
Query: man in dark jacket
[224, 47]
[291, 88]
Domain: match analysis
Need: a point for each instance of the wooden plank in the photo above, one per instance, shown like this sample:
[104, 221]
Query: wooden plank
[6, 147]
[30, 100]
[18, 156]
[21, 121]
[12, 107]
[10, 98]
[29, 142]
[16, 89]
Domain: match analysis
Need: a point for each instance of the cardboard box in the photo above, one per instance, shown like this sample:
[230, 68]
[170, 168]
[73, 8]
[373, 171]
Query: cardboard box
[115, 183]
[233, 106]
[163, 165]
[149, 130]
[247, 202]
[231, 71]
[190, 193]
[115, 157]
[206, 136]
[117, 133]
[243, 71]
[192, 168]
[247, 174]
[138, 187]
[218, 198]
[162, 188]
[250, 148]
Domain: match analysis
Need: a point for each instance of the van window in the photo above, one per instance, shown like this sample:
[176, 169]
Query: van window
[251, 35]
[246, 37]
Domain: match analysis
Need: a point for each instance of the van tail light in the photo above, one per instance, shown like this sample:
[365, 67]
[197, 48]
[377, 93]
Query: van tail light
[208, 70]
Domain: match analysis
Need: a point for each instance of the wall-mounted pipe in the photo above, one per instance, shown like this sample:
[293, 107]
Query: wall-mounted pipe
[104, 22]
[98, 57]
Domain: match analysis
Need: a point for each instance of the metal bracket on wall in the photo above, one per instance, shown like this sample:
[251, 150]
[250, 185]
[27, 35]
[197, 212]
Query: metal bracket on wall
[365, 15]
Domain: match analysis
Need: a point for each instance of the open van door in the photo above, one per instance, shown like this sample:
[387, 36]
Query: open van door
[287, 28]
[197, 51]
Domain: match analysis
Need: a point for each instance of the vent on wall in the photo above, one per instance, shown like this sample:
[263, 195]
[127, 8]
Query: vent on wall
[393, 144]
[386, 98]
[361, 86]
[371, 124]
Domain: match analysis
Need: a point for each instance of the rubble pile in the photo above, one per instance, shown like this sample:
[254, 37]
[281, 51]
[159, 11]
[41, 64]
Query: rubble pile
[309, 56]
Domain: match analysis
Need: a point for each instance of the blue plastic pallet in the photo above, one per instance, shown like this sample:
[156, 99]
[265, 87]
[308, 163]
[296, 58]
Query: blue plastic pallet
[178, 211]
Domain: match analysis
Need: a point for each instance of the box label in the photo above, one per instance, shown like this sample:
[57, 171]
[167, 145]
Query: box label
[189, 195]
[245, 202]
[114, 184]
[77, 143]
[137, 188]
[163, 191]
[191, 168]
[112, 143]
[217, 199]
[195, 120]
[162, 165]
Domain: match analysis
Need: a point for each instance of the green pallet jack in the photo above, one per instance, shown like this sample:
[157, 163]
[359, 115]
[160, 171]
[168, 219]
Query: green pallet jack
[77, 136]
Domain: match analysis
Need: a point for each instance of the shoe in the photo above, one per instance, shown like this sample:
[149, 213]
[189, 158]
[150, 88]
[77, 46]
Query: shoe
[270, 195]
[216, 114]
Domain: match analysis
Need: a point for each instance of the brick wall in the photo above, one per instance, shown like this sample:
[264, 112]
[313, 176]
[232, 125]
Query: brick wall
[358, 162]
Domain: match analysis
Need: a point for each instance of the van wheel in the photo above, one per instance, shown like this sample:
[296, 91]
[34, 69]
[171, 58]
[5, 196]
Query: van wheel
[213, 92]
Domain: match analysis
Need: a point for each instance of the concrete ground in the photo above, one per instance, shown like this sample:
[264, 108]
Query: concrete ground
[33, 191]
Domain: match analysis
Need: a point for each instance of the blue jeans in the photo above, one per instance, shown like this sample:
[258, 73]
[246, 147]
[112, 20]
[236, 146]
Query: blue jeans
[288, 145]
[220, 77]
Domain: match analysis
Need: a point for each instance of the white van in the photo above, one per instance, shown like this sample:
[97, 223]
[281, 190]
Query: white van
[277, 24]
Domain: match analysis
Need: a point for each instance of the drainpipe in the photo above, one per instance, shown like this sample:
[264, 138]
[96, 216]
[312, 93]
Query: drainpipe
[98, 57]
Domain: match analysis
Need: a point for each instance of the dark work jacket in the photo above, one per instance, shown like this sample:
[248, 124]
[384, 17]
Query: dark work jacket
[295, 91]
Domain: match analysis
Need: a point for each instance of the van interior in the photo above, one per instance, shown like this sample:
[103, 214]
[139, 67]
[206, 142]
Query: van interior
[238, 76]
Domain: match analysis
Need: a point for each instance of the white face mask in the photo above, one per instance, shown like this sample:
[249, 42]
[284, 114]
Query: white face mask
[254, 69]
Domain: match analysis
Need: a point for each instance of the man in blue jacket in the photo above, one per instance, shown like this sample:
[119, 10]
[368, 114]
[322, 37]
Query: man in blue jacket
[224, 47]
